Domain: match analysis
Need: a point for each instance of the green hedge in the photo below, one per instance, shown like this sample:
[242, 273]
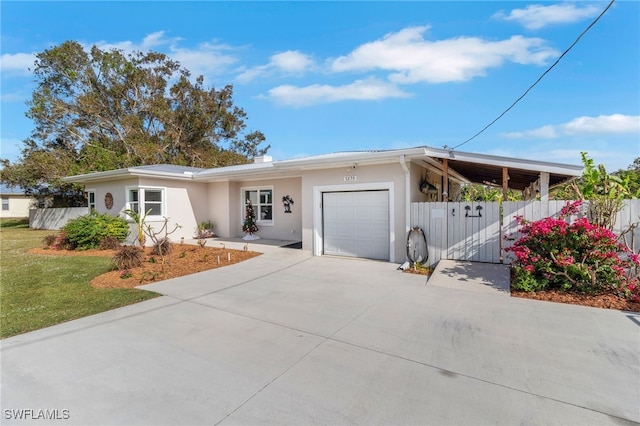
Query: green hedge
[86, 232]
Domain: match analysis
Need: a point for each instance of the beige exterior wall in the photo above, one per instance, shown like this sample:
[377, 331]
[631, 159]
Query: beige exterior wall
[285, 226]
[227, 208]
[117, 190]
[185, 203]
[219, 207]
[189, 203]
[384, 176]
[19, 206]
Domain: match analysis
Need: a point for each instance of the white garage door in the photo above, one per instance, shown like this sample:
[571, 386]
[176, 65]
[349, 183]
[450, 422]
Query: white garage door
[356, 224]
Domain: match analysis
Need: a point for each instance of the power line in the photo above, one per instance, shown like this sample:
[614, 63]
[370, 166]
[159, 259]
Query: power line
[539, 78]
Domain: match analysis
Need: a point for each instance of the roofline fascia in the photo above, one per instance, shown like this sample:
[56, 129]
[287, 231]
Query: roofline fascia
[216, 173]
[363, 157]
[125, 173]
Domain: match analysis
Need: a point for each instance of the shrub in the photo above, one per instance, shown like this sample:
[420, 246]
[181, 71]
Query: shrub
[161, 247]
[128, 257]
[578, 256]
[206, 225]
[87, 231]
[48, 240]
[109, 243]
[62, 242]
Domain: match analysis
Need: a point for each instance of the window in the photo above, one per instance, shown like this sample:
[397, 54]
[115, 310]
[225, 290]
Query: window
[153, 202]
[5, 203]
[150, 199]
[262, 200]
[133, 200]
[91, 197]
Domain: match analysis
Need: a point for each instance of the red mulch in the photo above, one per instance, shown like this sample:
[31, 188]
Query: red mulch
[605, 301]
[184, 260]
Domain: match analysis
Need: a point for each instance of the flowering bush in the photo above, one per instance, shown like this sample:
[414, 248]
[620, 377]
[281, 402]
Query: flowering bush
[578, 256]
[62, 242]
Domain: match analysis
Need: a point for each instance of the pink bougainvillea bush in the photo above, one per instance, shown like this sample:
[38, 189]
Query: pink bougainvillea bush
[577, 256]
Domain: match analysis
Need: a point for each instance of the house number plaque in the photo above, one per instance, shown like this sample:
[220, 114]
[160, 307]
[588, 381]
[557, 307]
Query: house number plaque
[350, 178]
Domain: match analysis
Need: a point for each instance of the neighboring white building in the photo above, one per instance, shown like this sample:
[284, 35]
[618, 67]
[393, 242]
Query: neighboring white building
[346, 204]
[15, 203]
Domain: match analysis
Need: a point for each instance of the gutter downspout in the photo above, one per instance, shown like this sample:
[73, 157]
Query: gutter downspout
[407, 195]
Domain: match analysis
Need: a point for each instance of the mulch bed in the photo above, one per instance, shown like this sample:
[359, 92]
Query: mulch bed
[606, 301]
[184, 260]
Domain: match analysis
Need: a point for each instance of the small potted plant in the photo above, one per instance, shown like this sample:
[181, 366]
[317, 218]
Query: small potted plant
[205, 230]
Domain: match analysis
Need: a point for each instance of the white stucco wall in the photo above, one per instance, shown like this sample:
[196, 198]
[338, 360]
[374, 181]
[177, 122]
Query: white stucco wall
[286, 226]
[227, 208]
[185, 203]
[384, 176]
[117, 190]
[219, 207]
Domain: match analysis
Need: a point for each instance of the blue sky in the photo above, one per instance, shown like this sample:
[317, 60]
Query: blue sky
[318, 77]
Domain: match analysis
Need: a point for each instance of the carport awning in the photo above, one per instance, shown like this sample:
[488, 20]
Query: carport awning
[489, 174]
[490, 169]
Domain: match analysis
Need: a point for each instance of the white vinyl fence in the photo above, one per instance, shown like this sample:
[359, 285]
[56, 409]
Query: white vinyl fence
[54, 218]
[475, 231]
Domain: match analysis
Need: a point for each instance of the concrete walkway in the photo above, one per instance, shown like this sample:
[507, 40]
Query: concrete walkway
[286, 338]
[472, 277]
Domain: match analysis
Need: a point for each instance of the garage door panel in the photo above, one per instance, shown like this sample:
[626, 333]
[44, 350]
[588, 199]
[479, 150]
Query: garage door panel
[380, 215]
[356, 224]
[347, 213]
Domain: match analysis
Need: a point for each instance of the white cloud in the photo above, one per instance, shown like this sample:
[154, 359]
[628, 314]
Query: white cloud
[289, 62]
[412, 59]
[149, 42]
[600, 125]
[205, 59]
[18, 63]
[538, 16]
[369, 89]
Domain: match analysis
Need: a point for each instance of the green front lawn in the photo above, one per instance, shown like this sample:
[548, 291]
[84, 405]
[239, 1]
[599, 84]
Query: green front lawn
[40, 291]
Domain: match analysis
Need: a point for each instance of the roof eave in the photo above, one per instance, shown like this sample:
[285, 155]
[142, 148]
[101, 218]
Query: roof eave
[209, 174]
[125, 173]
[361, 158]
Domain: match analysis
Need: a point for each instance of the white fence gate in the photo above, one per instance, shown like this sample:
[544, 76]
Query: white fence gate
[475, 231]
[460, 230]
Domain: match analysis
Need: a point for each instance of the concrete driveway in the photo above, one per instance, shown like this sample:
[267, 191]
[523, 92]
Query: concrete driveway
[286, 338]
